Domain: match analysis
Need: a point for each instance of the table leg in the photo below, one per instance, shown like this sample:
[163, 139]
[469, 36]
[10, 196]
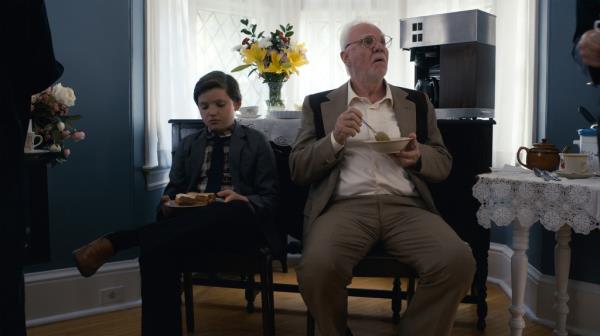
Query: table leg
[518, 264]
[562, 263]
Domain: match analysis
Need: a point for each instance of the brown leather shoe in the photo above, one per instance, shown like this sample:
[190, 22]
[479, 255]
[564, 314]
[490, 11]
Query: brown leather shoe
[90, 257]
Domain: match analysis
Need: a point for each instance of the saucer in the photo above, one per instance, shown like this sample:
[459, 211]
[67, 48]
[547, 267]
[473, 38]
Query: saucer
[36, 151]
[254, 116]
[574, 175]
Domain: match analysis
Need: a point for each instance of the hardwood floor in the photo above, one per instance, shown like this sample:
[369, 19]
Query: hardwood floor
[220, 311]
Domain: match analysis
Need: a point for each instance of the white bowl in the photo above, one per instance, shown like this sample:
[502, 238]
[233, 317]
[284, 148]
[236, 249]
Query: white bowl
[390, 146]
[249, 112]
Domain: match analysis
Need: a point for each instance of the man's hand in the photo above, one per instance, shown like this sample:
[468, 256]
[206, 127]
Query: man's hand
[230, 195]
[589, 48]
[347, 125]
[410, 155]
[166, 211]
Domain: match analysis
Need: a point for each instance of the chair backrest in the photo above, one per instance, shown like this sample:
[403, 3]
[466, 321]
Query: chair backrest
[182, 128]
[290, 215]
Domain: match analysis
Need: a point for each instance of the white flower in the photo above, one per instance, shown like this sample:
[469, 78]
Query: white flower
[60, 126]
[264, 43]
[64, 95]
[55, 148]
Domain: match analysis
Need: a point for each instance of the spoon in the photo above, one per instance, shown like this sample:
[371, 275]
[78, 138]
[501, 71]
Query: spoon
[379, 136]
[538, 173]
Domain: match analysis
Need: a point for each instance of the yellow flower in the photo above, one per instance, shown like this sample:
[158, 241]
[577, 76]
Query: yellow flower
[255, 55]
[274, 58]
[296, 57]
[275, 65]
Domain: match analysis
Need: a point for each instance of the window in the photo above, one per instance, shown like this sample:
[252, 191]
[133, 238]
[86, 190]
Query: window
[188, 38]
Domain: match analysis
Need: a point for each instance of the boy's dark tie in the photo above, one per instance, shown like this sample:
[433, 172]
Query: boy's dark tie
[217, 163]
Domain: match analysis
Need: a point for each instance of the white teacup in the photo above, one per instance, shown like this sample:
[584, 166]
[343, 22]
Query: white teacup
[249, 112]
[574, 163]
[32, 141]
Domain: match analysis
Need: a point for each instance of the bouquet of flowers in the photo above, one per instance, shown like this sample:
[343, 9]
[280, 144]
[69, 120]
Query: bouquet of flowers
[275, 58]
[51, 119]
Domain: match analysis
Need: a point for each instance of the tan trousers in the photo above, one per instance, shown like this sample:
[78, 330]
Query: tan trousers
[345, 233]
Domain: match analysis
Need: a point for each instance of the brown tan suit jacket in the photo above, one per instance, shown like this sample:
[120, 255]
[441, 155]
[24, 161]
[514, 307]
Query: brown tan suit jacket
[313, 161]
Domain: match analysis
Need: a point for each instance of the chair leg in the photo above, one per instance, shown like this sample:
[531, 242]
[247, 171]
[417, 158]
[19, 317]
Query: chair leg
[250, 292]
[411, 290]
[310, 324]
[189, 301]
[396, 300]
[268, 307]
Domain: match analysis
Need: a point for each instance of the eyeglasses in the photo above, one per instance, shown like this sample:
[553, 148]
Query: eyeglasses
[369, 41]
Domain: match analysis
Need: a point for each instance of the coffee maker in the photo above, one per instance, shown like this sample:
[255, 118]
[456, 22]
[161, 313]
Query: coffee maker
[454, 58]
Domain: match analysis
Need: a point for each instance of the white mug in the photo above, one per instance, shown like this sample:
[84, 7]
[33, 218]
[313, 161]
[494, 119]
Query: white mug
[572, 163]
[32, 140]
[249, 112]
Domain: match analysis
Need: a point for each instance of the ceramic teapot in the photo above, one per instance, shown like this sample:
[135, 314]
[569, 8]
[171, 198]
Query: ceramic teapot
[542, 156]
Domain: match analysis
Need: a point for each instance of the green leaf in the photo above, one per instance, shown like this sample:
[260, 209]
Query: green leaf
[253, 70]
[288, 34]
[253, 29]
[246, 31]
[241, 67]
[244, 21]
[282, 27]
[73, 117]
[260, 35]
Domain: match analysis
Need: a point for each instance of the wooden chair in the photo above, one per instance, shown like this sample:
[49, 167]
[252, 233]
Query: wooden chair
[247, 263]
[376, 264]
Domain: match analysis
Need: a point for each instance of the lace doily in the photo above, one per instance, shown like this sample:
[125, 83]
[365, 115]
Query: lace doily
[516, 193]
[280, 131]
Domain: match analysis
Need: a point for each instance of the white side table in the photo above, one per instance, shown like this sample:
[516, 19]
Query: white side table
[519, 197]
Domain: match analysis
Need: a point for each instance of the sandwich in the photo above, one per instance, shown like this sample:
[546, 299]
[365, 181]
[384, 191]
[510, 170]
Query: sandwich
[195, 198]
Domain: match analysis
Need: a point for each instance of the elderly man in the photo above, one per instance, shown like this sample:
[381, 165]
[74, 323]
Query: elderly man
[359, 197]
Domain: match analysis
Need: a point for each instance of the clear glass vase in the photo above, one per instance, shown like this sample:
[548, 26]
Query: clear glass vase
[274, 103]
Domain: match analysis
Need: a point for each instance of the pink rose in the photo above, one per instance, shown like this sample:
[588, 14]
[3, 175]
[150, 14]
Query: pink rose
[66, 152]
[66, 134]
[78, 136]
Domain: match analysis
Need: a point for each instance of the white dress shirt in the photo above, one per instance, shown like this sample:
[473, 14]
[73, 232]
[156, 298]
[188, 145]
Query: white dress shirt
[364, 171]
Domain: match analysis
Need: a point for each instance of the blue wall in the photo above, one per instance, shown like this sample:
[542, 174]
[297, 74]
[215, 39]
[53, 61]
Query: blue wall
[101, 188]
[564, 83]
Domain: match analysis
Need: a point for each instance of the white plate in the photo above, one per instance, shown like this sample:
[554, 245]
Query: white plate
[36, 151]
[574, 175]
[388, 147]
[173, 204]
[286, 114]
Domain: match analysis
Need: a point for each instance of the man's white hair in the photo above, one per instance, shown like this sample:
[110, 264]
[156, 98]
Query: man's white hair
[345, 33]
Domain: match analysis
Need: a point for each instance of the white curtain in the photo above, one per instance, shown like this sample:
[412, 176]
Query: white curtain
[170, 78]
[516, 56]
[188, 38]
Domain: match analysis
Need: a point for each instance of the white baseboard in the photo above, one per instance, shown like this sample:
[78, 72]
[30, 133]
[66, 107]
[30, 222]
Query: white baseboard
[63, 294]
[584, 297]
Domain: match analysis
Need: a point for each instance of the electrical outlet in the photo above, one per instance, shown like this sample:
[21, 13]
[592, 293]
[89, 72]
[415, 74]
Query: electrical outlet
[111, 295]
